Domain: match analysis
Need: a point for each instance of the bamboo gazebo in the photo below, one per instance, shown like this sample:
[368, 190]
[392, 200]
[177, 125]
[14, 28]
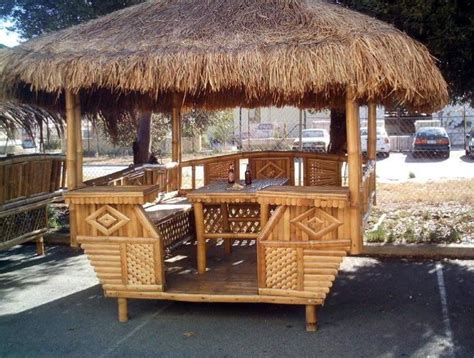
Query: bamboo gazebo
[282, 243]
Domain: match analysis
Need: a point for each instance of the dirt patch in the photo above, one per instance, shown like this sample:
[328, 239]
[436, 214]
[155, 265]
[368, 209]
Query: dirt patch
[430, 212]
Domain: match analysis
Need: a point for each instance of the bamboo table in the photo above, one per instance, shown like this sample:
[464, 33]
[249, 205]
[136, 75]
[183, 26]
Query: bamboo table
[212, 204]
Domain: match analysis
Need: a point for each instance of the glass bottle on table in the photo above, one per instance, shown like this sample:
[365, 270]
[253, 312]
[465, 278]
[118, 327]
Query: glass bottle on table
[231, 174]
[248, 175]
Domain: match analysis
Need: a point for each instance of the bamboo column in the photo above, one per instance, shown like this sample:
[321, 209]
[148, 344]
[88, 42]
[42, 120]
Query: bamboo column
[79, 149]
[71, 157]
[355, 168]
[71, 141]
[176, 135]
[372, 141]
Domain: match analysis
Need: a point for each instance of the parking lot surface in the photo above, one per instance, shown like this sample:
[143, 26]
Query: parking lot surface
[398, 166]
[52, 306]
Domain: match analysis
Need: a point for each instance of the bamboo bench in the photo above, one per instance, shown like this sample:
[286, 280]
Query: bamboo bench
[27, 185]
[174, 221]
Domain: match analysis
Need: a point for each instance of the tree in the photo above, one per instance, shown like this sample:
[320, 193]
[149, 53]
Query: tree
[31, 18]
[446, 27]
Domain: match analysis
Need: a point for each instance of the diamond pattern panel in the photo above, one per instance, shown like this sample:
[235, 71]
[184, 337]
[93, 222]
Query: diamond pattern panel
[316, 223]
[107, 219]
[270, 171]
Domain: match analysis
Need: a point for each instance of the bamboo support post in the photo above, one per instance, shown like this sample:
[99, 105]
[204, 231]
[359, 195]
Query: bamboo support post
[226, 226]
[176, 136]
[372, 142]
[311, 321]
[355, 168]
[78, 139]
[201, 240]
[71, 141]
[122, 310]
[40, 246]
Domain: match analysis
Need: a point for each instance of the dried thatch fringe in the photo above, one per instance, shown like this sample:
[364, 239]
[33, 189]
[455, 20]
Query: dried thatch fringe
[221, 53]
[14, 115]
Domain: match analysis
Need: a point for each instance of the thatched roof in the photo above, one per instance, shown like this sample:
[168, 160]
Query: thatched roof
[223, 53]
[29, 117]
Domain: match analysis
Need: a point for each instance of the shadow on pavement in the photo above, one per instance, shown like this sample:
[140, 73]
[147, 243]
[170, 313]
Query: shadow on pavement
[467, 159]
[377, 307]
[424, 158]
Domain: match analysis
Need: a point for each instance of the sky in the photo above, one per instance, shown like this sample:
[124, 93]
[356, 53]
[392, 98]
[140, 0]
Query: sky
[8, 38]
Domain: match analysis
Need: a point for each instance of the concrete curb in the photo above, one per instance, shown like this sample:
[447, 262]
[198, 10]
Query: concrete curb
[394, 250]
[419, 250]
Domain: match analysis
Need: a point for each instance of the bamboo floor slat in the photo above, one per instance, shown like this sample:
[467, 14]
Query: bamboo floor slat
[234, 273]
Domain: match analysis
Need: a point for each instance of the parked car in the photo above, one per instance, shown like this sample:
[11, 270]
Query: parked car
[469, 143]
[382, 144]
[313, 140]
[267, 130]
[431, 140]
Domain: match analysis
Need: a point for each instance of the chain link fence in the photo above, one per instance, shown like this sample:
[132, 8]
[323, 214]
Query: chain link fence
[425, 164]
[425, 172]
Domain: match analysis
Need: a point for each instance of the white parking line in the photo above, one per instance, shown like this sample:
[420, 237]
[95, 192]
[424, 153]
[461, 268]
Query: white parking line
[444, 309]
[134, 331]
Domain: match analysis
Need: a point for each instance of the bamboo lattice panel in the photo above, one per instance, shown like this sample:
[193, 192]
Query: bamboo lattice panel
[140, 264]
[244, 218]
[213, 219]
[281, 268]
[176, 228]
[22, 223]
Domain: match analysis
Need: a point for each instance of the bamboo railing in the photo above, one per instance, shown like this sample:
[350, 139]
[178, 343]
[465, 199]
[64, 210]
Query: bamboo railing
[28, 183]
[163, 175]
[317, 169]
[25, 177]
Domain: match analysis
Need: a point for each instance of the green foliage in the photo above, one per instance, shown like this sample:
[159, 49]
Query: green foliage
[31, 18]
[409, 235]
[376, 236]
[52, 145]
[445, 27]
[223, 126]
[194, 123]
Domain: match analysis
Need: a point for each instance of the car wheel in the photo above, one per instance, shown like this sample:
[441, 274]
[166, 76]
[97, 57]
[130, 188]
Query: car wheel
[467, 153]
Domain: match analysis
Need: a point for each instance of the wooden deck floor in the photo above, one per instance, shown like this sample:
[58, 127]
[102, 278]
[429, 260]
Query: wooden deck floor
[226, 274]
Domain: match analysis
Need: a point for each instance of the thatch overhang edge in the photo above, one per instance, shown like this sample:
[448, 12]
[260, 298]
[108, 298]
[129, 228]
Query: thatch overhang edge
[385, 66]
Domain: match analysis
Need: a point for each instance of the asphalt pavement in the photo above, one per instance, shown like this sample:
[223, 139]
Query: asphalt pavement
[398, 167]
[52, 306]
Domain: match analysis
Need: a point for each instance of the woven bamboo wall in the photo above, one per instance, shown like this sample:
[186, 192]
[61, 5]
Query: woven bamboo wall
[25, 176]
